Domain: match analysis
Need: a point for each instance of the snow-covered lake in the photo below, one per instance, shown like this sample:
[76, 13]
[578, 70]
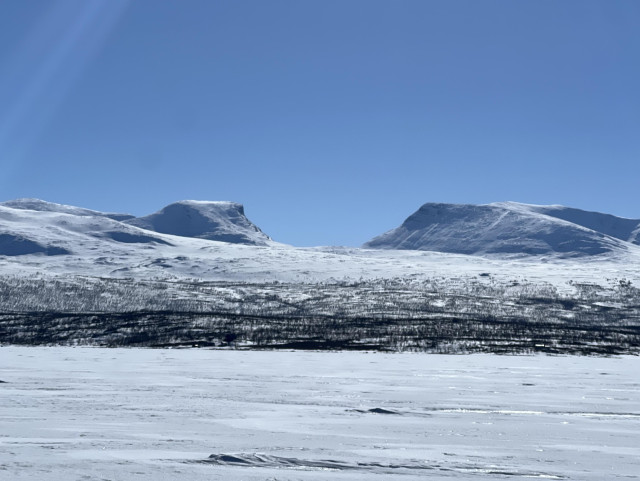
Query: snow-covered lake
[126, 414]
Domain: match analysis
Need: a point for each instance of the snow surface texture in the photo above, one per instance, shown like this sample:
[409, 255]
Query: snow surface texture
[120, 414]
[219, 221]
[511, 228]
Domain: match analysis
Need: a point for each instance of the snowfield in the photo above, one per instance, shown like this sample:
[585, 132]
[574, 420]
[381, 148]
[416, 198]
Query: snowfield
[125, 414]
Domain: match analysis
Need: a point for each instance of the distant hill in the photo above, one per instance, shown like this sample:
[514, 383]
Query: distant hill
[44, 229]
[510, 228]
[220, 221]
[54, 230]
[34, 226]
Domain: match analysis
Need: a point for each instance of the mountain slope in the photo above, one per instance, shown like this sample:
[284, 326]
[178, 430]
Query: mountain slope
[505, 228]
[618, 227]
[219, 221]
[43, 206]
[57, 232]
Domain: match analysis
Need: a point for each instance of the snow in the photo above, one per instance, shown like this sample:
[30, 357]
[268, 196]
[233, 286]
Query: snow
[510, 228]
[99, 246]
[618, 227]
[44, 206]
[220, 221]
[74, 233]
[79, 413]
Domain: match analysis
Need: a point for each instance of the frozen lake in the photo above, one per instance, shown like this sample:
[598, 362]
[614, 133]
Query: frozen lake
[126, 414]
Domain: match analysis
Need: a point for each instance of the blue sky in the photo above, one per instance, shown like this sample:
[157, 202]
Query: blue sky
[332, 121]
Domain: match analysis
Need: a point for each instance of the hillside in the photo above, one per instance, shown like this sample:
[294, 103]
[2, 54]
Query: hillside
[219, 221]
[511, 228]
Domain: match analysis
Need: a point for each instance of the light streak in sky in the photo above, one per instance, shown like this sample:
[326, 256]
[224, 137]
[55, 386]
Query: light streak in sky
[42, 70]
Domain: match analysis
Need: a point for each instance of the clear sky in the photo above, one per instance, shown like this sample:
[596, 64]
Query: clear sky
[330, 120]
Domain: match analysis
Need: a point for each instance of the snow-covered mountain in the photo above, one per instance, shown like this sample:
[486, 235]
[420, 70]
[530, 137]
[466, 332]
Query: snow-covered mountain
[618, 227]
[33, 226]
[511, 228]
[220, 221]
[53, 229]
[82, 265]
[55, 240]
[44, 206]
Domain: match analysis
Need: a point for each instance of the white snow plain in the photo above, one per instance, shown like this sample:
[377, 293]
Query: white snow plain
[126, 414]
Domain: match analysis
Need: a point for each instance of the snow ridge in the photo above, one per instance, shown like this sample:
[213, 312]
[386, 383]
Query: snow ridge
[510, 228]
[44, 206]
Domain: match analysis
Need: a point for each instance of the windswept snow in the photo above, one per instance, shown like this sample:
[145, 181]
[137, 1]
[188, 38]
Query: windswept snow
[618, 227]
[125, 414]
[17, 245]
[510, 228]
[220, 221]
[75, 234]
[44, 206]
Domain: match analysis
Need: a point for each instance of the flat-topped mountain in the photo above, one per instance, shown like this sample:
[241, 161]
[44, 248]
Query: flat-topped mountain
[220, 221]
[510, 228]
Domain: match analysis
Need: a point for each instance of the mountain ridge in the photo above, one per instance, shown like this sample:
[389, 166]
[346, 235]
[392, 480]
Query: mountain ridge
[212, 220]
[33, 226]
[510, 228]
[31, 203]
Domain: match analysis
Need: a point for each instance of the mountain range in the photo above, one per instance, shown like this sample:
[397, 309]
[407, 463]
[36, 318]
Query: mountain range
[190, 242]
[33, 226]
